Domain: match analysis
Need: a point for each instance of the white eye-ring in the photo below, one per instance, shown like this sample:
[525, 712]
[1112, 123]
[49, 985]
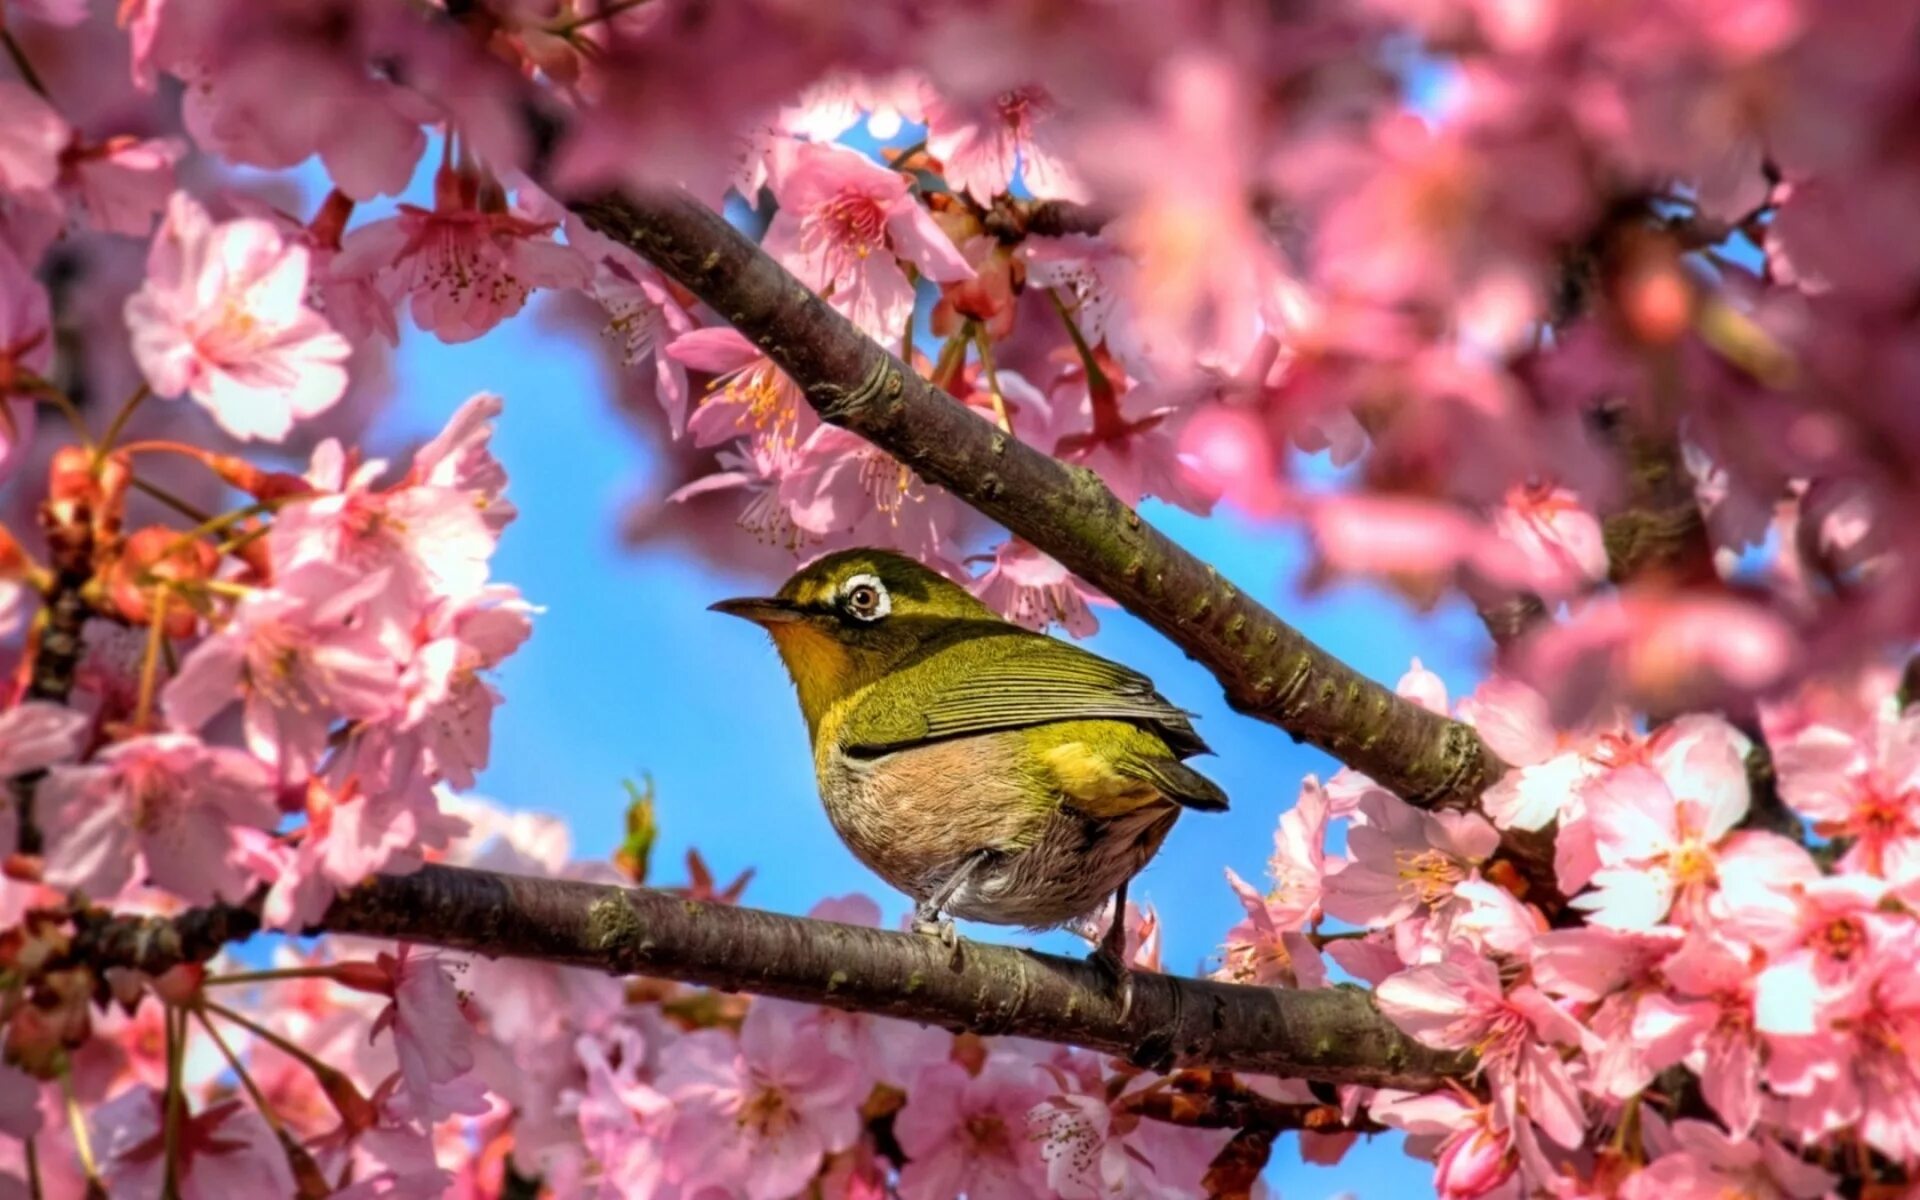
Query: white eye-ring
[865, 597]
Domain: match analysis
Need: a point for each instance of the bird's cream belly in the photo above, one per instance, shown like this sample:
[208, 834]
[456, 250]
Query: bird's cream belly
[916, 815]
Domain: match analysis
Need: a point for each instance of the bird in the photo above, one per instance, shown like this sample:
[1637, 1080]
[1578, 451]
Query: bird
[988, 771]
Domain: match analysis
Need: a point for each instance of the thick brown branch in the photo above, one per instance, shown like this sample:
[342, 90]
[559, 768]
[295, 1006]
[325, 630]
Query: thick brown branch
[1268, 668]
[1333, 1034]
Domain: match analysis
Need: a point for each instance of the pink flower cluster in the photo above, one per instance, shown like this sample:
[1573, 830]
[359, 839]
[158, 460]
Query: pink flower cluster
[1699, 966]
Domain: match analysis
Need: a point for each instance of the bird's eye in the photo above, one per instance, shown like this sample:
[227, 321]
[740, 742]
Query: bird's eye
[865, 598]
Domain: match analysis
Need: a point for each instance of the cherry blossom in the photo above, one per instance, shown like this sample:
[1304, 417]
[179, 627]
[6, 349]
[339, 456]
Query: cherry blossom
[178, 807]
[1657, 828]
[1460, 1004]
[968, 1133]
[467, 264]
[842, 223]
[293, 656]
[981, 147]
[763, 1112]
[224, 1150]
[222, 317]
[1033, 590]
[1860, 785]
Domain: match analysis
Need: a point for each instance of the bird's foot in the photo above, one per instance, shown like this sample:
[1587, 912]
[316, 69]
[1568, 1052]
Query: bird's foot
[1119, 977]
[931, 922]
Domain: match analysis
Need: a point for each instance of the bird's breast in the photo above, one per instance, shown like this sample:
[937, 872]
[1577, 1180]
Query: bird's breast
[912, 814]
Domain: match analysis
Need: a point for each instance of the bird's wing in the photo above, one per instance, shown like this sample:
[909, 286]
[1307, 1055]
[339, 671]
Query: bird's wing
[1009, 679]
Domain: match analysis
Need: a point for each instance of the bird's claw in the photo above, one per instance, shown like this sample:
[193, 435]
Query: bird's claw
[939, 925]
[1119, 976]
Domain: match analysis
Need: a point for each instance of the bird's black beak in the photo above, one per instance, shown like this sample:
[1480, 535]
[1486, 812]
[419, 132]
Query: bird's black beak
[760, 610]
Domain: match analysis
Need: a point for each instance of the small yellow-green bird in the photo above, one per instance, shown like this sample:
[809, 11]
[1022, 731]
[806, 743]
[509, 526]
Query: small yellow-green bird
[985, 770]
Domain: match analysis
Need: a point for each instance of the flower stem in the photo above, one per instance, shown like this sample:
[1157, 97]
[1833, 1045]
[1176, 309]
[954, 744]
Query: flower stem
[192, 512]
[566, 29]
[268, 975]
[233, 1060]
[150, 661]
[895, 161]
[320, 1070]
[175, 1100]
[77, 1124]
[1095, 376]
[984, 342]
[951, 356]
[45, 390]
[119, 424]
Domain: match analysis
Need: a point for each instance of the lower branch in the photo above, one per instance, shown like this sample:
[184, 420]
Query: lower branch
[1333, 1035]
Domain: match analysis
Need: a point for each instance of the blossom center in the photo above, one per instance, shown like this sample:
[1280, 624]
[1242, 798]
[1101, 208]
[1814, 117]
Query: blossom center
[1691, 863]
[767, 1113]
[1430, 874]
[846, 228]
[988, 1134]
[153, 794]
[1842, 938]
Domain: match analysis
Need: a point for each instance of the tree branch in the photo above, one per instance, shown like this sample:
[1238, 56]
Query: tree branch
[1268, 668]
[1331, 1034]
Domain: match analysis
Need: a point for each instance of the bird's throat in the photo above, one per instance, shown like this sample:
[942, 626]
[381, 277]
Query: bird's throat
[824, 671]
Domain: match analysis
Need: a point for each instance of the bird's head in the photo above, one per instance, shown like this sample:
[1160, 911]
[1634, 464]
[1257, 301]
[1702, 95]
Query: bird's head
[847, 620]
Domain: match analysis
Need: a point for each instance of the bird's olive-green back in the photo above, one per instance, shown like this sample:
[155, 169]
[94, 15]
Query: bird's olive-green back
[981, 676]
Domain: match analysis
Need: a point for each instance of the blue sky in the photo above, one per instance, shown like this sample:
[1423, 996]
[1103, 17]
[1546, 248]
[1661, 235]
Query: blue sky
[628, 674]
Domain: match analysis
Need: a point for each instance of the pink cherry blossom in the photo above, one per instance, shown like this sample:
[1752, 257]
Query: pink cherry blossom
[358, 823]
[843, 220]
[468, 264]
[1707, 1022]
[1405, 861]
[1269, 946]
[1473, 1152]
[33, 137]
[431, 542]
[645, 315]
[430, 1032]
[226, 1150]
[1459, 1005]
[1707, 1164]
[1033, 590]
[1657, 829]
[1557, 534]
[1655, 650]
[170, 804]
[622, 1117]
[1549, 763]
[748, 394]
[33, 736]
[26, 349]
[1863, 786]
[121, 183]
[981, 146]
[459, 457]
[967, 1133]
[762, 1112]
[37, 734]
[296, 657]
[1820, 949]
[1088, 1153]
[222, 317]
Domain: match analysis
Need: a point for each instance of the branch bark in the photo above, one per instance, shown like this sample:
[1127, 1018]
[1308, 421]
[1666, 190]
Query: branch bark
[1268, 669]
[1333, 1035]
